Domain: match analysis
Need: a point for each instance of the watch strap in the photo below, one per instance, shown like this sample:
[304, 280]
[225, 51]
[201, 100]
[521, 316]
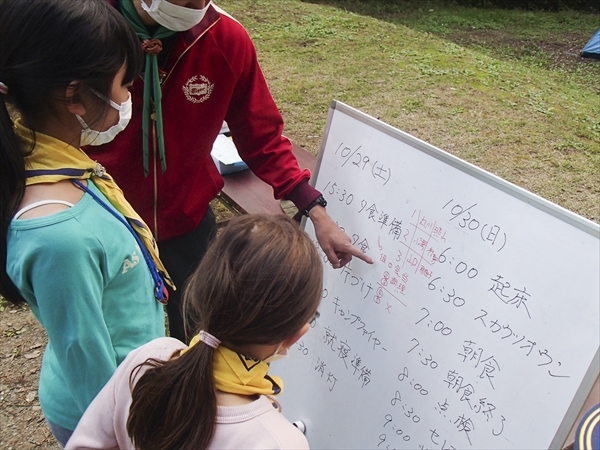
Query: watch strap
[317, 201]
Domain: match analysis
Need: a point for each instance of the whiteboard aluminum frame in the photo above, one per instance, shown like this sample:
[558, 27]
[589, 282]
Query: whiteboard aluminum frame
[519, 193]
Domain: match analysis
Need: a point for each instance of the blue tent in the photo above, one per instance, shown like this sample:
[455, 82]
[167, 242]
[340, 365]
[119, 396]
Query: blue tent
[592, 48]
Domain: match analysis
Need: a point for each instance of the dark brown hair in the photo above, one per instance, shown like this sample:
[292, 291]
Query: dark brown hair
[258, 284]
[44, 46]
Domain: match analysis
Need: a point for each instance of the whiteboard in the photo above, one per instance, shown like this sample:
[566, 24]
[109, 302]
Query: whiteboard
[478, 325]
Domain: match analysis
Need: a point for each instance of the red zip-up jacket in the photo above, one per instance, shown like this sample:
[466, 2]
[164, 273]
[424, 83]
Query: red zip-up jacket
[211, 74]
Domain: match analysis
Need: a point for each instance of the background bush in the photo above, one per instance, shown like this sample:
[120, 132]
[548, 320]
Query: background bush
[548, 5]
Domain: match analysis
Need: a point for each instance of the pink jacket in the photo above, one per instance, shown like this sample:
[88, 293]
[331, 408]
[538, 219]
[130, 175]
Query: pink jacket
[256, 425]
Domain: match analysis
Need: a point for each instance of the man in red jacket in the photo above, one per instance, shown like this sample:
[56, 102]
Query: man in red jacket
[203, 64]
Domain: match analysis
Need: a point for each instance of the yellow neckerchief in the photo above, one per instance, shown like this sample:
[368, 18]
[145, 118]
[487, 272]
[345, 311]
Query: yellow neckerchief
[238, 374]
[53, 160]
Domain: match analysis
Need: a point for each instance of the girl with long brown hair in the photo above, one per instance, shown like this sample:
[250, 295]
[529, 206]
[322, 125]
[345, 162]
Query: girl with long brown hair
[252, 296]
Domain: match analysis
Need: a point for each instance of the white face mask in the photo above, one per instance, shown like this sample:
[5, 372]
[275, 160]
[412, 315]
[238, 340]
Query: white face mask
[174, 17]
[93, 137]
[280, 353]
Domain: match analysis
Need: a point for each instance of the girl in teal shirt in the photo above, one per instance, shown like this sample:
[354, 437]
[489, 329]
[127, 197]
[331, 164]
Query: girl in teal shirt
[70, 245]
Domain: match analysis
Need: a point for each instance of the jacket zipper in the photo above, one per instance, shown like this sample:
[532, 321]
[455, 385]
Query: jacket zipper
[154, 138]
[186, 50]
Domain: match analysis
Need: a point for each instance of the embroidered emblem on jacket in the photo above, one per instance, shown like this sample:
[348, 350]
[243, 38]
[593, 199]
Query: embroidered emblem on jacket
[130, 264]
[198, 89]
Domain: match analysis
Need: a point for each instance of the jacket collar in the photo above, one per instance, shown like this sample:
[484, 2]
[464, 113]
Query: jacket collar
[190, 36]
[210, 18]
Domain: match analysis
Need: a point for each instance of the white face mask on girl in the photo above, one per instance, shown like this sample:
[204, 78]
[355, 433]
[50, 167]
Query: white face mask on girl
[93, 137]
[280, 353]
[174, 17]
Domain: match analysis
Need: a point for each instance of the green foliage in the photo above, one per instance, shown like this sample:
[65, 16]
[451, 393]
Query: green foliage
[548, 5]
[531, 5]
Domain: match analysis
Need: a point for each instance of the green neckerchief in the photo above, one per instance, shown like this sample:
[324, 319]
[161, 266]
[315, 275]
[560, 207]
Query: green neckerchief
[152, 89]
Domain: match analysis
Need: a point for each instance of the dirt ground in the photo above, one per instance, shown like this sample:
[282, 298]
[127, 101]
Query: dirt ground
[560, 54]
[22, 343]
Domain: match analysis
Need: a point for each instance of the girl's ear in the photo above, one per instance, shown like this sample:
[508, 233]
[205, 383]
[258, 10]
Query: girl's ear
[292, 340]
[73, 97]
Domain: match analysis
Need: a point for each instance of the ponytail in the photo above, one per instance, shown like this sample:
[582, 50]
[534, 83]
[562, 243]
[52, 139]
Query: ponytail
[12, 187]
[260, 282]
[174, 403]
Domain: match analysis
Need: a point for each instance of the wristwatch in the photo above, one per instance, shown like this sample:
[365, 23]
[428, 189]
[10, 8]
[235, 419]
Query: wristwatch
[317, 201]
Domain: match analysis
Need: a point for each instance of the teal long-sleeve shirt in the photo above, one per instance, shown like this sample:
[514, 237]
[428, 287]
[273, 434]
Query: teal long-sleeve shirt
[86, 281]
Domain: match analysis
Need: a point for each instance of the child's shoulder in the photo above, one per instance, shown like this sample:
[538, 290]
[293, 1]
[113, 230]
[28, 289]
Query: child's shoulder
[281, 430]
[160, 349]
[256, 425]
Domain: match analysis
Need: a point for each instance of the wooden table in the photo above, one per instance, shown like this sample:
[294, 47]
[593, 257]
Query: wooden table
[245, 193]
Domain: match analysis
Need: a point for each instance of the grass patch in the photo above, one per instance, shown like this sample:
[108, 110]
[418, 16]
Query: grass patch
[463, 79]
